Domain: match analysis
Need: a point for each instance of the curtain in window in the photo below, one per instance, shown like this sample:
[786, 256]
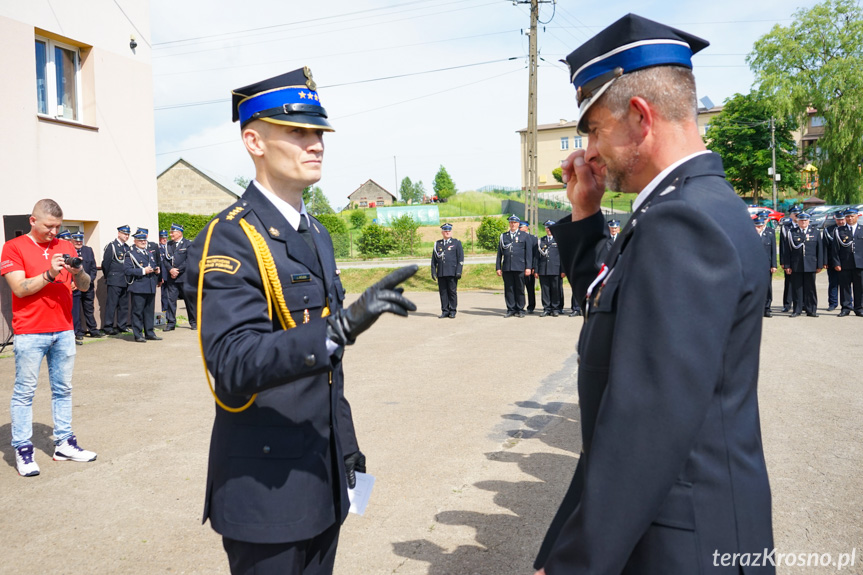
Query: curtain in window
[67, 93]
[41, 78]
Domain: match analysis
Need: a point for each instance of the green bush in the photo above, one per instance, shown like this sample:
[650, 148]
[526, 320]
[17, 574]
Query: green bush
[488, 232]
[375, 240]
[192, 223]
[558, 174]
[339, 232]
[404, 231]
[358, 219]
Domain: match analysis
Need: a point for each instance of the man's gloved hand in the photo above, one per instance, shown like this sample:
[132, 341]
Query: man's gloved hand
[434, 278]
[354, 462]
[458, 276]
[345, 325]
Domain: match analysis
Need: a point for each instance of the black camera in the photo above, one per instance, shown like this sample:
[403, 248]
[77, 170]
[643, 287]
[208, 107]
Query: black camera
[71, 261]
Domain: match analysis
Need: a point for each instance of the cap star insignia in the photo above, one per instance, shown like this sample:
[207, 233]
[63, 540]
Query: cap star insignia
[303, 95]
[274, 232]
[310, 82]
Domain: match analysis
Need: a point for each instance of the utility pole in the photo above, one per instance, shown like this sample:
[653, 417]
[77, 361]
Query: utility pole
[773, 149]
[396, 170]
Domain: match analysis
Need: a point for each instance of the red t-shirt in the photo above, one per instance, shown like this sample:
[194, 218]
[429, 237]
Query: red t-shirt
[49, 309]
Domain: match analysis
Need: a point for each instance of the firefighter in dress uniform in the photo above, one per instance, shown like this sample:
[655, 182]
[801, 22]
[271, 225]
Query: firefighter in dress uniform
[768, 242]
[513, 263]
[787, 289]
[446, 266]
[116, 318]
[142, 273]
[549, 273]
[530, 279]
[805, 253]
[88, 262]
[272, 331]
[849, 263]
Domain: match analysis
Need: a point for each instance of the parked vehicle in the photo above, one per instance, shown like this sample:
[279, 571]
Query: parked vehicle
[772, 216]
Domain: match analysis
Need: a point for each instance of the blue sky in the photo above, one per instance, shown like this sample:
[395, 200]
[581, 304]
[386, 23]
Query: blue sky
[461, 88]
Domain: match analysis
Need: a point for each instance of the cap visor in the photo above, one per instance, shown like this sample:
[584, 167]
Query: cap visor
[301, 121]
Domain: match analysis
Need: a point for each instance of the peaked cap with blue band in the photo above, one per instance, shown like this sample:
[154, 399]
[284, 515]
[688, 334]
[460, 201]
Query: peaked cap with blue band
[446, 227]
[124, 229]
[78, 236]
[290, 99]
[64, 235]
[632, 43]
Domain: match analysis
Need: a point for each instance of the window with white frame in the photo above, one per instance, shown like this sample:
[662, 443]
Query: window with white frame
[817, 121]
[577, 142]
[58, 85]
[564, 143]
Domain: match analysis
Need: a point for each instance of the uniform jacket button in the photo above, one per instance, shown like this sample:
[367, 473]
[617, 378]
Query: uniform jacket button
[310, 360]
[305, 299]
[266, 449]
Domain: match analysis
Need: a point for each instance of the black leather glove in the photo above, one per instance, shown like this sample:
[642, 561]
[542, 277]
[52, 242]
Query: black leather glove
[345, 325]
[434, 278]
[354, 462]
[458, 276]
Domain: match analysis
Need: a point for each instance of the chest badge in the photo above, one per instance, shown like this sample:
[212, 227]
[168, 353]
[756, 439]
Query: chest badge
[274, 232]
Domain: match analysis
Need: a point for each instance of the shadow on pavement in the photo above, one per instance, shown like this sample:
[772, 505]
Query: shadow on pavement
[508, 542]
[41, 441]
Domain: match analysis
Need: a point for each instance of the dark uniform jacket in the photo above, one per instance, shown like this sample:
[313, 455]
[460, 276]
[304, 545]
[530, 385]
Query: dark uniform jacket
[534, 249]
[112, 263]
[849, 248]
[514, 253]
[447, 260]
[177, 253]
[276, 470]
[89, 261]
[672, 467]
[548, 257]
[134, 267]
[768, 242]
[783, 241]
[164, 264]
[805, 250]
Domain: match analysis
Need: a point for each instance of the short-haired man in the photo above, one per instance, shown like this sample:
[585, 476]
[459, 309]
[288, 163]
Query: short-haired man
[513, 263]
[446, 266]
[672, 469]
[116, 318]
[272, 328]
[41, 282]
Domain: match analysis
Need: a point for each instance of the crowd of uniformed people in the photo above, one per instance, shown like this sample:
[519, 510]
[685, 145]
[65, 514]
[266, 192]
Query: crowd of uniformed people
[132, 274]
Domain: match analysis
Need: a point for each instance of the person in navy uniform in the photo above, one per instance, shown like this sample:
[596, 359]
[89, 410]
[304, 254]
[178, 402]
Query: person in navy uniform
[828, 236]
[849, 263]
[787, 289]
[549, 273]
[88, 262]
[513, 263]
[142, 273]
[116, 319]
[805, 251]
[76, 297]
[530, 279]
[176, 251]
[273, 330]
[768, 242]
[164, 274]
[447, 262]
[672, 469]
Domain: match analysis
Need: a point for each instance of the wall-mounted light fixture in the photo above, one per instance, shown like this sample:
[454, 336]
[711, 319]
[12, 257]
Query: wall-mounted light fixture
[132, 43]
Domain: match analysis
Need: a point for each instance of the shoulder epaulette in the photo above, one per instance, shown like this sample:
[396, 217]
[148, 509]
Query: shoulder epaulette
[235, 212]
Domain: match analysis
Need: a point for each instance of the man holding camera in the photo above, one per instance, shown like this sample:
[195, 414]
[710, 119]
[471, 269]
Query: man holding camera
[36, 266]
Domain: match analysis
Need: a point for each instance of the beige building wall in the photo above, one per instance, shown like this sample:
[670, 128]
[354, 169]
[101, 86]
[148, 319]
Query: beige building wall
[182, 188]
[551, 150]
[101, 170]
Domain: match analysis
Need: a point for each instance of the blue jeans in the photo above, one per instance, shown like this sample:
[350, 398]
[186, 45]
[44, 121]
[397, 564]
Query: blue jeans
[30, 348]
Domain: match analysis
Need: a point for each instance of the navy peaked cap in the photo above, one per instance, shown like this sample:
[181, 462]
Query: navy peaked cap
[514, 218]
[795, 209]
[614, 223]
[78, 236]
[446, 227]
[851, 212]
[124, 229]
[290, 99]
[548, 223]
[632, 43]
[64, 235]
[524, 223]
[803, 216]
[163, 233]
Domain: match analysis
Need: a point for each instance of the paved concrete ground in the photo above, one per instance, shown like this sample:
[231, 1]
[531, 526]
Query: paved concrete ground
[472, 438]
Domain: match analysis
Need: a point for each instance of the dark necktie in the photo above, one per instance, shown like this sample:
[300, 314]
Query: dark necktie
[303, 228]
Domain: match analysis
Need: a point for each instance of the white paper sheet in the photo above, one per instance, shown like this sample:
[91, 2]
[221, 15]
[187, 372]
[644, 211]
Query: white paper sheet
[359, 495]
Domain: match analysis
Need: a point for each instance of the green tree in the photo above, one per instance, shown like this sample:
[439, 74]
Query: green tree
[443, 184]
[318, 203]
[242, 182]
[407, 191]
[375, 240]
[741, 135]
[419, 191]
[338, 232]
[489, 230]
[357, 219]
[816, 62]
[407, 238]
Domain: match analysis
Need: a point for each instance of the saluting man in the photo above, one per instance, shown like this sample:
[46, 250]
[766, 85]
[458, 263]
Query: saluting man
[671, 469]
[273, 330]
[117, 301]
[142, 273]
[550, 275]
[768, 242]
[514, 262]
[805, 252]
[446, 266]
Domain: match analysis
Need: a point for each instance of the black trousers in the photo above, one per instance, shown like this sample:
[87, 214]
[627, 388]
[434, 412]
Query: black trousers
[117, 303]
[550, 290]
[513, 291]
[87, 299]
[832, 286]
[850, 288]
[573, 299]
[143, 310]
[191, 304]
[788, 293]
[769, 292]
[315, 556]
[530, 286]
[170, 292]
[76, 313]
[805, 296]
[447, 287]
